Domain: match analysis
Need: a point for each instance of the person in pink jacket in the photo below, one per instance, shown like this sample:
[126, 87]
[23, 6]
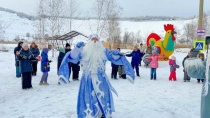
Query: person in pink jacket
[154, 64]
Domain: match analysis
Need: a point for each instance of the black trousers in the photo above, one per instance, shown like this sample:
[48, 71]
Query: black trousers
[58, 66]
[34, 67]
[114, 71]
[75, 70]
[26, 80]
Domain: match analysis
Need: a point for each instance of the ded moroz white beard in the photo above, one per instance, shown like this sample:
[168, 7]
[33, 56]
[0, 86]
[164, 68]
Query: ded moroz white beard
[93, 57]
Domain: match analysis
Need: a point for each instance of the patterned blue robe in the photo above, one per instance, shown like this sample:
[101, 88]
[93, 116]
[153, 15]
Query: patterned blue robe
[197, 69]
[95, 97]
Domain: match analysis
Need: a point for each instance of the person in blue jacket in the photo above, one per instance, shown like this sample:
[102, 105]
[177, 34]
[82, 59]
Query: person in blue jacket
[25, 57]
[17, 62]
[35, 50]
[135, 55]
[114, 67]
[45, 66]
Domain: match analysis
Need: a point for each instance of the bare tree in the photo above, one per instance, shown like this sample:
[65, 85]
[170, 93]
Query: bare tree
[28, 35]
[190, 32]
[206, 23]
[3, 27]
[182, 41]
[17, 38]
[72, 11]
[138, 38]
[126, 39]
[131, 40]
[99, 11]
[107, 20]
[42, 24]
[113, 30]
[54, 12]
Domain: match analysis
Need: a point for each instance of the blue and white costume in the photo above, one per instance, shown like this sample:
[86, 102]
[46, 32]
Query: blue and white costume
[200, 69]
[95, 96]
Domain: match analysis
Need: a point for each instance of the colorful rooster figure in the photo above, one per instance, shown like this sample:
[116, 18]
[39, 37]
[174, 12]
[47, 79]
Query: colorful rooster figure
[163, 47]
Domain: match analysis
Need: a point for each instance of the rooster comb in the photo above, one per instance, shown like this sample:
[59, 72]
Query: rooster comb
[168, 27]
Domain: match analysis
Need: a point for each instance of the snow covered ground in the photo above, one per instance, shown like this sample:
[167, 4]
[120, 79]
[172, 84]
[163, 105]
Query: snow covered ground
[144, 99]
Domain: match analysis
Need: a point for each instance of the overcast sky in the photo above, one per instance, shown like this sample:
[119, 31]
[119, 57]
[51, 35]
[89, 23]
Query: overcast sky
[180, 8]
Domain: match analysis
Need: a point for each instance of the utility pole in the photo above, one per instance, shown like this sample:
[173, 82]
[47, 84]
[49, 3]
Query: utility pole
[200, 20]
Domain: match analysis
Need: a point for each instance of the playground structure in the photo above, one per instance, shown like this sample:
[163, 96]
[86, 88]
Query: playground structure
[63, 38]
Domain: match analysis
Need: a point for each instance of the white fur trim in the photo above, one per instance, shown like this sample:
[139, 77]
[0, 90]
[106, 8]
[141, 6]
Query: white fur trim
[130, 79]
[64, 78]
[93, 57]
[206, 85]
[75, 52]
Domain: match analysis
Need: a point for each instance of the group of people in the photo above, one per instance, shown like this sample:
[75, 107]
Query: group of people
[191, 54]
[95, 88]
[137, 56]
[74, 67]
[26, 61]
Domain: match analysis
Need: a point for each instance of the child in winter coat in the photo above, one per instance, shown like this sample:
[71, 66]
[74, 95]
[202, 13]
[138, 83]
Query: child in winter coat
[201, 56]
[173, 66]
[154, 64]
[45, 66]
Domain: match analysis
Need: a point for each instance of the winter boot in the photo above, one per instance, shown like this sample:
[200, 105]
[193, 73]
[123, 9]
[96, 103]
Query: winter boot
[46, 83]
[41, 83]
[115, 76]
[112, 76]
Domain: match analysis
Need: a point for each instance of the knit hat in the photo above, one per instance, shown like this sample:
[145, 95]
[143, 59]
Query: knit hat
[24, 44]
[62, 50]
[94, 36]
[135, 47]
[194, 52]
[173, 58]
[67, 44]
[20, 43]
[153, 51]
[45, 50]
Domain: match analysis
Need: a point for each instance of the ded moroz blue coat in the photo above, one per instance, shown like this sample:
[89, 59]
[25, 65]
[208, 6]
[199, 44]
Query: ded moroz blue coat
[95, 93]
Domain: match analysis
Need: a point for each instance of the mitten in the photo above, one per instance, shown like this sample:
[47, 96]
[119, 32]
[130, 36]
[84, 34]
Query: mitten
[80, 44]
[29, 57]
[24, 57]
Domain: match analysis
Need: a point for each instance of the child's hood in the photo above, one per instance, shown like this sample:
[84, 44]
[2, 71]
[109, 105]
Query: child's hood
[45, 50]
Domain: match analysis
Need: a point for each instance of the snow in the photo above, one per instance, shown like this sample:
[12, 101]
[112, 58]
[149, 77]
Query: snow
[145, 98]
[19, 26]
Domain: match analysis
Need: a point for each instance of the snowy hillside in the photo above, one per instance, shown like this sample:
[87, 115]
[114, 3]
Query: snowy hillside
[19, 26]
[15, 25]
[144, 99]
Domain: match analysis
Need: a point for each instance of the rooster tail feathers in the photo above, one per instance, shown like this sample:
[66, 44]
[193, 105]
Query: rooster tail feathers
[152, 38]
